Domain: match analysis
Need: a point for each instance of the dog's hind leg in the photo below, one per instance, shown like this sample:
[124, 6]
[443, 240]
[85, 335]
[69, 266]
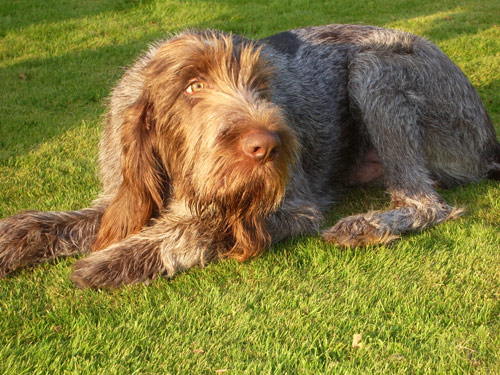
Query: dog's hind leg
[381, 227]
[34, 237]
[427, 125]
[390, 116]
[416, 205]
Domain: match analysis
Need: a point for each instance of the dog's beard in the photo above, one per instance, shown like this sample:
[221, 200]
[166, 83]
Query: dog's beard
[252, 198]
[235, 192]
[241, 195]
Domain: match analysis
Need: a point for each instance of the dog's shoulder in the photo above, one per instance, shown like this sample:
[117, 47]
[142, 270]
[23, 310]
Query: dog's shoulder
[286, 42]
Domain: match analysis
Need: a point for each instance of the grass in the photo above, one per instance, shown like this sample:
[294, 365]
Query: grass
[429, 304]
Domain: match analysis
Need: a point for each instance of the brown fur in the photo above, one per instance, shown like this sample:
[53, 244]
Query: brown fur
[157, 142]
[140, 194]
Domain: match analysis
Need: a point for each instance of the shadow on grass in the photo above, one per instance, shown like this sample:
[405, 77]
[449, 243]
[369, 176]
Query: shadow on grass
[57, 94]
[61, 92]
[19, 14]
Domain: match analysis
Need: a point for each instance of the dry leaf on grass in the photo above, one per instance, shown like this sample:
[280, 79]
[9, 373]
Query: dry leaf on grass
[356, 340]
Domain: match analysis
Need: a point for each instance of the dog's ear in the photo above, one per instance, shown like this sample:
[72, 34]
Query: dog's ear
[143, 188]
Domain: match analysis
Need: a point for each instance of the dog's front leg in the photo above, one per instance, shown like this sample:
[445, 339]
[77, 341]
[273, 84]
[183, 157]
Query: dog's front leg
[171, 244]
[33, 237]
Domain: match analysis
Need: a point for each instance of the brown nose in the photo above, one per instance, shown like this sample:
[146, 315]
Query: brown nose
[261, 145]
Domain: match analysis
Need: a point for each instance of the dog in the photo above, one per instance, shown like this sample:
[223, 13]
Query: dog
[219, 146]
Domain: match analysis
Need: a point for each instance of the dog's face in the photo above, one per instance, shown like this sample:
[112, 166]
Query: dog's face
[224, 142]
[205, 131]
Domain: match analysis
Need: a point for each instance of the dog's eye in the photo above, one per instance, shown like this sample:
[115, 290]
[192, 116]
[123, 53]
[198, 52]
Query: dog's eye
[194, 87]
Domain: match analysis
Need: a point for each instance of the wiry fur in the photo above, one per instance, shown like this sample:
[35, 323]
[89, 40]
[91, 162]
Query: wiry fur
[348, 104]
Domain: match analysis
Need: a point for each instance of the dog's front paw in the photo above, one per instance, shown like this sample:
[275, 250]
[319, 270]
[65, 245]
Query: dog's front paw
[117, 265]
[7, 252]
[8, 259]
[21, 244]
[99, 270]
[359, 230]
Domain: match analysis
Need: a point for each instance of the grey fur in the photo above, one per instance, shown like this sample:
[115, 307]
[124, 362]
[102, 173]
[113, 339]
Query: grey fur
[350, 94]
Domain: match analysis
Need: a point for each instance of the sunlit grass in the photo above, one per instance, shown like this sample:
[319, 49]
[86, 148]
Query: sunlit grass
[429, 304]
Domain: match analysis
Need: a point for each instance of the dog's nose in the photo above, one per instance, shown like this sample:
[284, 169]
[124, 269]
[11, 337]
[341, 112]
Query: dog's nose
[261, 145]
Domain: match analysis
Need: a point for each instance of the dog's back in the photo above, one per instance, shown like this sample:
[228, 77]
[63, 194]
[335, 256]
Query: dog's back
[335, 80]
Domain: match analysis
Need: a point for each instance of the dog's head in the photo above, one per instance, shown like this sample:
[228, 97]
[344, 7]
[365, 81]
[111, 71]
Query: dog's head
[204, 131]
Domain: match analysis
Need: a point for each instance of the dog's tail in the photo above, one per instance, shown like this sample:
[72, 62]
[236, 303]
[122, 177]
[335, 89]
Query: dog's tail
[494, 172]
[34, 237]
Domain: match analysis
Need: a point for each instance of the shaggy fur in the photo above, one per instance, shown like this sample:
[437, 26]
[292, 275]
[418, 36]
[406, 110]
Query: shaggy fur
[216, 145]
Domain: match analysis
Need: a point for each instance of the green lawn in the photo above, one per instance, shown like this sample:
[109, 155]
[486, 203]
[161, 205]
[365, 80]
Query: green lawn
[430, 304]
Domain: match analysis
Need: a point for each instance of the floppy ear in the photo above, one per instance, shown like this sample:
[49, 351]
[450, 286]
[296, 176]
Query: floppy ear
[141, 193]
